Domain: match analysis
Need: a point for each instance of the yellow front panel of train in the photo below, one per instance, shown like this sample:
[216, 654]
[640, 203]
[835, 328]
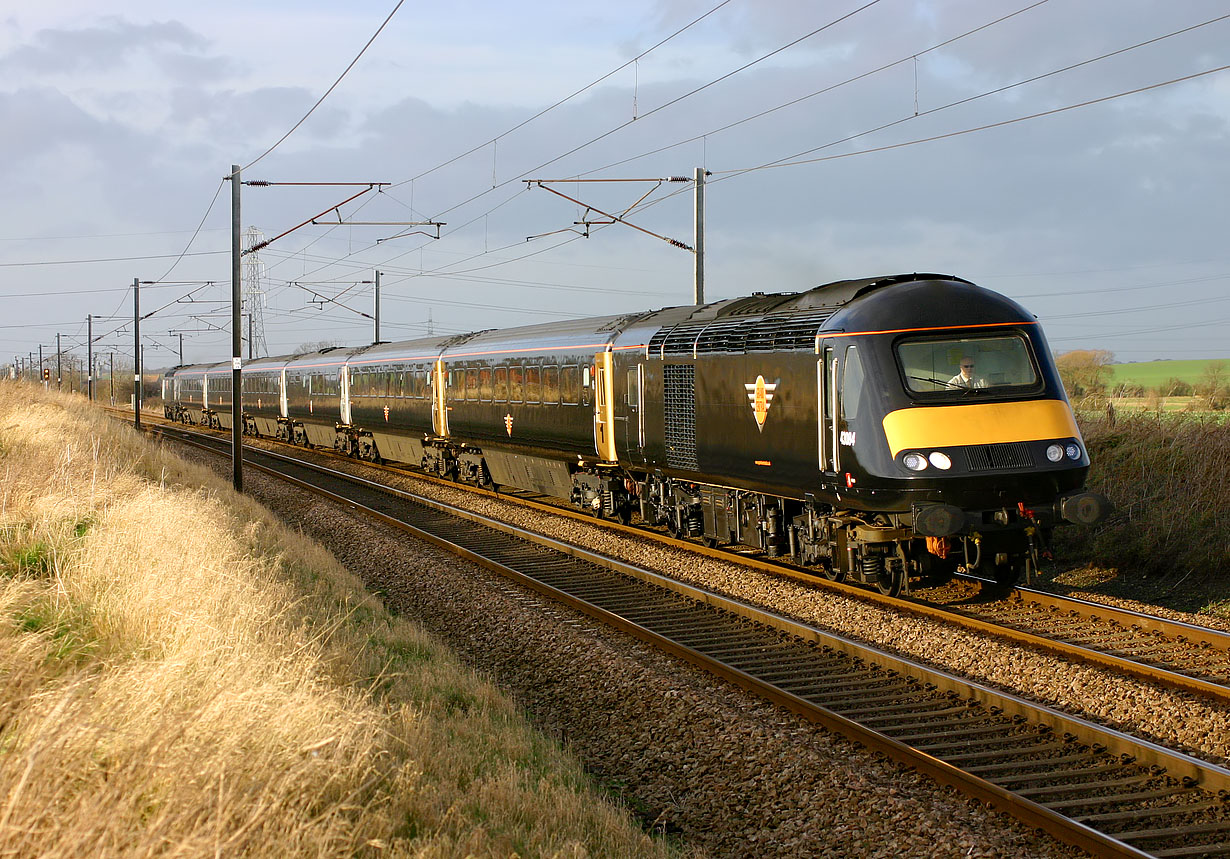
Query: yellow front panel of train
[978, 423]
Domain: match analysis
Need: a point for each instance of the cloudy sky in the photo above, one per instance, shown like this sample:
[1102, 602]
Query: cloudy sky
[994, 139]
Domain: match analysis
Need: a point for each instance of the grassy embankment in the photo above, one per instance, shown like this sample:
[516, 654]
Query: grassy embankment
[183, 676]
[1169, 538]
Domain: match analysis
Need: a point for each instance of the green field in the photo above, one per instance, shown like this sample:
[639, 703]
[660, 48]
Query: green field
[1153, 373]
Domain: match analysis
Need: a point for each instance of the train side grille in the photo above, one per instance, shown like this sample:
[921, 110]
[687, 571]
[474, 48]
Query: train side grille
[998, 457]
[679, 388]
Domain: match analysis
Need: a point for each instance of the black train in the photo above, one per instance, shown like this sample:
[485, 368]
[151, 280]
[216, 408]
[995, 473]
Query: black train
[878, 429]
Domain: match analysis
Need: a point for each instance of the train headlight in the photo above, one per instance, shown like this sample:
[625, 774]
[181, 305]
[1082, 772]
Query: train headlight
[1054, 452]
[1073, 450]
[940, 460]
[914, 461]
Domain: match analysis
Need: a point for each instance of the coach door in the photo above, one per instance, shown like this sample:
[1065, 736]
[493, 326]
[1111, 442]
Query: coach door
[826, 411]
[634, 425]
[604, 407]
[344, 389]
[439, 400]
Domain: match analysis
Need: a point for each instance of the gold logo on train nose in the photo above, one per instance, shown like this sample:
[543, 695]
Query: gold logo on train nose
[760, 397]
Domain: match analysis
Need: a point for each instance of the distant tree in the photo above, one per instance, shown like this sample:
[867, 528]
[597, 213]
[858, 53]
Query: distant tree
[1174, 387]
[1214, 385]
[1085, 371]
[315, 346]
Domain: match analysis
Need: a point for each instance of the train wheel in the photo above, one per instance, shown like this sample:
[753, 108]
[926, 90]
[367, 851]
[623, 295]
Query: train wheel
[891, 578]
[831, 573]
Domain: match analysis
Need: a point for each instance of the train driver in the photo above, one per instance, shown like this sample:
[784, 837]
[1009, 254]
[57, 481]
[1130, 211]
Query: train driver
[966, 378]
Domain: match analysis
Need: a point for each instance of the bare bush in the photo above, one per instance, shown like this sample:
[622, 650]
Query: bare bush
[1167, 475]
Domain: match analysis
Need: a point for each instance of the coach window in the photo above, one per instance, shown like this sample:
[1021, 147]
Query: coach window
[550, 385]
[533, 384]
[471, 383]
[501, 384]
[516, 382]
[484, 384]
[570, 385]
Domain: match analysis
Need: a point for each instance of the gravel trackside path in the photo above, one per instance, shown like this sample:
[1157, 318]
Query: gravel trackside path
[727, 774]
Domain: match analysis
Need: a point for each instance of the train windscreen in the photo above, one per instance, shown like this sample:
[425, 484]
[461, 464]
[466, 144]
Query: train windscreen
[958, 365]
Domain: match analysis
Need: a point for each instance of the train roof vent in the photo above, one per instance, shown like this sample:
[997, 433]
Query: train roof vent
[793, 333]
[679, 340]
[723, 337]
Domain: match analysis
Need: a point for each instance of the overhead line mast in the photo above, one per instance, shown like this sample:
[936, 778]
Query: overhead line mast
[697, 249]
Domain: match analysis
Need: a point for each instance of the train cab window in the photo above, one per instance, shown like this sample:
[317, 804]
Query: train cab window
[851, 386]
[501, 384]
[961, 366]
[550, 385]
[634, 388]
[570, 385]
[533, 384]
[516, 383]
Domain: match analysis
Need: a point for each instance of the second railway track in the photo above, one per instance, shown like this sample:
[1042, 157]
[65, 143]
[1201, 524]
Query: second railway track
[1157, 650]
[1102, 790]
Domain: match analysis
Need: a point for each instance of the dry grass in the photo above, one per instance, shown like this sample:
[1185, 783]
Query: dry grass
[183, 676]
[1169, 477]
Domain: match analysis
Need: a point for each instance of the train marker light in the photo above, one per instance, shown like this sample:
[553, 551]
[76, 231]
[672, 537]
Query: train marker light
[940, 460]
[914, 461]
[1054, 452]
[1074, 451]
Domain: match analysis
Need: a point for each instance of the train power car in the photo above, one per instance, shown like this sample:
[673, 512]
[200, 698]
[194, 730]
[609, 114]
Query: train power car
[876, 429]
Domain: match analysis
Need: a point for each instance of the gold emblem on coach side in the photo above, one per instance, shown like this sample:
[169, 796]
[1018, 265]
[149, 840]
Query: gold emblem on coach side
[760, 397]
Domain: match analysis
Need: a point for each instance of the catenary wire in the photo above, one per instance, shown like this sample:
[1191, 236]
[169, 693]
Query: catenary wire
[328, 91]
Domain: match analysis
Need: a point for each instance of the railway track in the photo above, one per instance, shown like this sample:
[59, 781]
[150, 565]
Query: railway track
[1169, 653]
[1099, 789]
